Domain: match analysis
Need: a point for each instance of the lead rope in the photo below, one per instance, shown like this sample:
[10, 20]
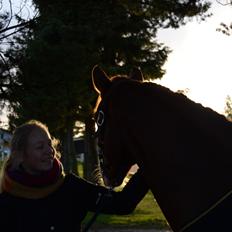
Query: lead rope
[99, 204]
[206, 212]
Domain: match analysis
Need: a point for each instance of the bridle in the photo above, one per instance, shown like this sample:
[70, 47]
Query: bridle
[99, 134]
[100, 121]
[100, 118]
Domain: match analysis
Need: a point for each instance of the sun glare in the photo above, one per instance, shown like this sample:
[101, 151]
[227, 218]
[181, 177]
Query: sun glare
[200, 61]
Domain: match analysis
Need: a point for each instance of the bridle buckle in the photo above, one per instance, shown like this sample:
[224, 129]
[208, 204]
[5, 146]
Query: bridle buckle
[100, 118]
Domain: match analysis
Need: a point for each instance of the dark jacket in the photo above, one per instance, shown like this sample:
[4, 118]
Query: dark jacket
[64, 210]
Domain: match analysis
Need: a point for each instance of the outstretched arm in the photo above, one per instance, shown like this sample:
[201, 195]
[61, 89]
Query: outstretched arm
[123, 202]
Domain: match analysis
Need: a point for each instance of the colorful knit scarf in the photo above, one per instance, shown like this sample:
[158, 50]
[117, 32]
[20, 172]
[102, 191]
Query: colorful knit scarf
[21, 184]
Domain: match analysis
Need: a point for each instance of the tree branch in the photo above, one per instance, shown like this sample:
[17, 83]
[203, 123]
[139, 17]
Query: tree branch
[24, 24]
[227, 2]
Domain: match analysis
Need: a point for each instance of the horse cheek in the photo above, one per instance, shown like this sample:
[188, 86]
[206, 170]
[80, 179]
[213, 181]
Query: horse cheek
[112, 154]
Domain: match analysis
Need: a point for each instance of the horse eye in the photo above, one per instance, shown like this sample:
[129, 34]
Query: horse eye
[100, 118]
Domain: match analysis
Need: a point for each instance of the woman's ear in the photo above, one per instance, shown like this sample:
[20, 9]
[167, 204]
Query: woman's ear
[101, 82]
[15, 160]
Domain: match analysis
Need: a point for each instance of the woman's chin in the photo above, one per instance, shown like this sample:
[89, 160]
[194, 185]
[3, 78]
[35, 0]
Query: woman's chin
[47, 165]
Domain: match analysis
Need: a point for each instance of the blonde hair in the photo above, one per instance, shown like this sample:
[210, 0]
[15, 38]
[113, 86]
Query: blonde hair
[20, 139]
[19, 143]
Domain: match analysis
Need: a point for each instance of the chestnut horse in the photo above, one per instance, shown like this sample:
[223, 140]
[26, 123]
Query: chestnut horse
[183, 149]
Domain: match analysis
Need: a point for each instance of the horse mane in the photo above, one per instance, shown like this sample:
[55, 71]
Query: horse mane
[200, 115]
[195, 111]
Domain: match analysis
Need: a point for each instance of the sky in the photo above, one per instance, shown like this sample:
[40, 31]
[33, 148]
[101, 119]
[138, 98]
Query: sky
[201, 59]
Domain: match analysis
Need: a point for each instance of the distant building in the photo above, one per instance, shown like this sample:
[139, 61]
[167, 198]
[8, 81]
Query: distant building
[5, 138]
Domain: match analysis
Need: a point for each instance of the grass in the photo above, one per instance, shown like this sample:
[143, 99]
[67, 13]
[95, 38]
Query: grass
[146, 215]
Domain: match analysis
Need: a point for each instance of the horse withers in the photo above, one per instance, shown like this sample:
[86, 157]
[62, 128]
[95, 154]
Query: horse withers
[183, 149]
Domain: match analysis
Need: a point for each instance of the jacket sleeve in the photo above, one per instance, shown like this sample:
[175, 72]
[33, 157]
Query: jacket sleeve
[7, 217]
[123, 202]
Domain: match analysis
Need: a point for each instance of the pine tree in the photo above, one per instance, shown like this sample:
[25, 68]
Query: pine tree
[55, 59]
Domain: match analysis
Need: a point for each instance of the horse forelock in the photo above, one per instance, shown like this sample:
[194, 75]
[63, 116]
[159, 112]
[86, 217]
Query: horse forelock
[101, 97]
[118, 77]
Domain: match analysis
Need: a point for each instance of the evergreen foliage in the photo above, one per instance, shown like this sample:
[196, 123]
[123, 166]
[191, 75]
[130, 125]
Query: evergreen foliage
[52, 59]
[228, 108]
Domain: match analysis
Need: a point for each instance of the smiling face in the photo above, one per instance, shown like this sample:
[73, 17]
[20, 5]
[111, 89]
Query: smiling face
[39, 153]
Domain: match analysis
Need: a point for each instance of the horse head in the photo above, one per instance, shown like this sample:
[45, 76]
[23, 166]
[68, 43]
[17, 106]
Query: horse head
[115, 159]
[176, 142]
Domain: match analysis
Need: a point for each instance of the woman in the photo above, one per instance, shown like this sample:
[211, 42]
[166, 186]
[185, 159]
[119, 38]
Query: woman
[36, 195]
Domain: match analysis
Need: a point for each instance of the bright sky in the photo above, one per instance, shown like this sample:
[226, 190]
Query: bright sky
[201, 59]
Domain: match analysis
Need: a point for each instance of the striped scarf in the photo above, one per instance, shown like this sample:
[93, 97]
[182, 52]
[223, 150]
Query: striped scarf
[21, 184]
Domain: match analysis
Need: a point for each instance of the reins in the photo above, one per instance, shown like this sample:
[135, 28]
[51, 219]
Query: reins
[205, 212]
[99, 203]
[94, 217]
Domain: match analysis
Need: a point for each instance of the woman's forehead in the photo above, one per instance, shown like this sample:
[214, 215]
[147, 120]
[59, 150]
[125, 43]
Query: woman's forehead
[39, 134]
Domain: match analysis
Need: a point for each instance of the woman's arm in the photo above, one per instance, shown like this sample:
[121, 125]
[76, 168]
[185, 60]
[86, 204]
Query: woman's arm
[111, 202]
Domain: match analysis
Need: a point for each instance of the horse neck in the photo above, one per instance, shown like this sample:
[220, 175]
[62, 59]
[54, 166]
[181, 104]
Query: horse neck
[155, 134]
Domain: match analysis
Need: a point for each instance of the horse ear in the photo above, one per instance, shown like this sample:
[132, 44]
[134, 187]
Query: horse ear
[136, 74]
[100, 80]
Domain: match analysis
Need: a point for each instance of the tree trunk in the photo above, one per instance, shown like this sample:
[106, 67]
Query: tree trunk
[91, 159]
[68, 154]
